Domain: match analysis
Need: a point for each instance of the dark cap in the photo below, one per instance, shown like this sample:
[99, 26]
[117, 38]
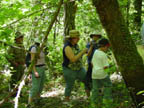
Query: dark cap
[103, 42]
[98, 35]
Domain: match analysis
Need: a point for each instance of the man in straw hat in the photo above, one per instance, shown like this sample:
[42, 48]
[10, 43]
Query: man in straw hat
[72, 62]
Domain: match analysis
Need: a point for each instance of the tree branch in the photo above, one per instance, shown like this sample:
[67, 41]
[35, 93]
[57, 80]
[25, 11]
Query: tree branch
[25, 17]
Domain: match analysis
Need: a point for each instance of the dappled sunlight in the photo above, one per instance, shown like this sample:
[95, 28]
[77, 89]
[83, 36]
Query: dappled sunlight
[53, 93]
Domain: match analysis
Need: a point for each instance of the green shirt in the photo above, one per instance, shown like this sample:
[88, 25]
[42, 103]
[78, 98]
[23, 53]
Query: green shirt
[17, 55]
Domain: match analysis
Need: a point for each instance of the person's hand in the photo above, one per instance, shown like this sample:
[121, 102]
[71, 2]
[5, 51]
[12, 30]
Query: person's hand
[36, 74]
[91, 44]
[85, 50]
[30, 77]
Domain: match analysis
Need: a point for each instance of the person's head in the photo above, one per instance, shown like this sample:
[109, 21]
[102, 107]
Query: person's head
[74, 36]
[95, 37]
[37, 41]
[104, 44]
[18, 37]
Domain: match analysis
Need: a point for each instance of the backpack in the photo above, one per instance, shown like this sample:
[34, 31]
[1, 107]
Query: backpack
[28, 56]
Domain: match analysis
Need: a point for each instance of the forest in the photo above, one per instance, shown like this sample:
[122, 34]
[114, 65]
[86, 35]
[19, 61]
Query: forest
[49, 22]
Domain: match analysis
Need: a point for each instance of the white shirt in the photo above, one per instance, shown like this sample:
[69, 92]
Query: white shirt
[99, 61]
[41, 59]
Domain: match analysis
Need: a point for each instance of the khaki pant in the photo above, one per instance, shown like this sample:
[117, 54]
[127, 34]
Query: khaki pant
[105, 86]
[70, 76]
[37, 83]
[17, 74]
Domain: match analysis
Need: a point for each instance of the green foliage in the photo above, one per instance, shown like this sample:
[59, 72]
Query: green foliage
[87, 21]
[90, 22]
[141, 92]
[4, 86]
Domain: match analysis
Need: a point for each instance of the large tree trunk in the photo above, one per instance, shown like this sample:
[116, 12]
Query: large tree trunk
[138, 13]
[69, 20]
[124, 49]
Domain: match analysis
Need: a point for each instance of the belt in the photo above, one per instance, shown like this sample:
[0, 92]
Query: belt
[40, 65]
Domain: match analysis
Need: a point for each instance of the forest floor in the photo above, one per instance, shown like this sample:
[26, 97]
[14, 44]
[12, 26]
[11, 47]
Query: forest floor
[53, 97]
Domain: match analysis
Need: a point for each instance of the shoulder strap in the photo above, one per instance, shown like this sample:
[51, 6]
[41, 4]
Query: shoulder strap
[32, 47]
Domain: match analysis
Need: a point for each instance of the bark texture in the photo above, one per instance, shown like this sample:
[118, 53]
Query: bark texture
[69, 19]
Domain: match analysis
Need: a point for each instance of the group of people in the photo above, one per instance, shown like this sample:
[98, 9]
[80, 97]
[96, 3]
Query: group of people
[72, 65]
[95, 79]
[16, 56]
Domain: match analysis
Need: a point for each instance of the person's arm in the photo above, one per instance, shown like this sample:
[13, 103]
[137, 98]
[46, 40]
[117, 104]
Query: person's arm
[73, 58]
[10, 56]
[106, 65]
[90, 50]
[34, 68]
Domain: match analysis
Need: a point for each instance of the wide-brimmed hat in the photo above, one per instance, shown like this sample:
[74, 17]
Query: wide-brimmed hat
[98, 35]
[73, 33]
[18, 35]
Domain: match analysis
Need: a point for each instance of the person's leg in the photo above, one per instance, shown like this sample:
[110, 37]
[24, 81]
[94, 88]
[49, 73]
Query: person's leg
[81, 75]
[96, 97]
[69, 77]
[14, 76]
[107, 91]
[43, 76]
[20, 72]
[89, 79]
[13, 79]
[35, 87]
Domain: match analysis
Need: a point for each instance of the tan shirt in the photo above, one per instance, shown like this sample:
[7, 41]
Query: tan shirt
[41, 59]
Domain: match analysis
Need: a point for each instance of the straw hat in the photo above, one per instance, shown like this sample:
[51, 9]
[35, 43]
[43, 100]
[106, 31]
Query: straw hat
[73, 33]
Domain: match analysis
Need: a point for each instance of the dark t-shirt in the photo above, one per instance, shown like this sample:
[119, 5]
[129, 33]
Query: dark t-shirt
[95, 46]
[66, 61]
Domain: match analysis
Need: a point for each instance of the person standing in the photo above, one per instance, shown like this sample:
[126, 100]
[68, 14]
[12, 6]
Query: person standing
[16, 57]
[38, 73]
[100, 77]
[72, 62]
[92, 46]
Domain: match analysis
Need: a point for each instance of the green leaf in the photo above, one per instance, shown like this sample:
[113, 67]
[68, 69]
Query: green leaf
[141, 92]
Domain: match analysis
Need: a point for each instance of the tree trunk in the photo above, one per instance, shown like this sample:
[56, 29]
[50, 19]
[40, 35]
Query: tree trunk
[124, 49]
[127, 17]
[138, 13]
[69, 20]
